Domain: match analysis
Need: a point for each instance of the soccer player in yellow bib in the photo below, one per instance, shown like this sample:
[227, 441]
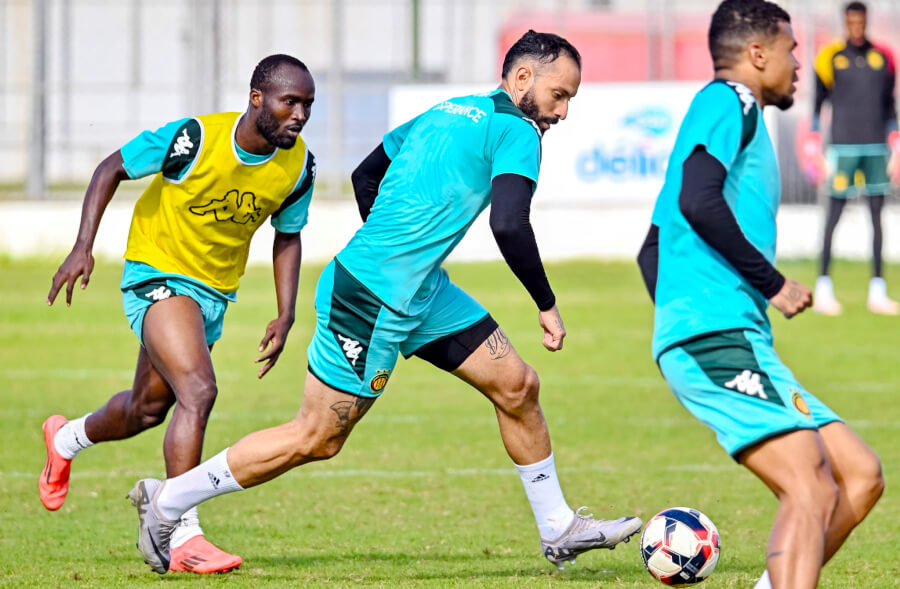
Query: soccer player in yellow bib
[218, 177]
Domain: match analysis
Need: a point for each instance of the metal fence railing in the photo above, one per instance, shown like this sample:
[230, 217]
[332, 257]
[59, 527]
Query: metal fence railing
[78, 78]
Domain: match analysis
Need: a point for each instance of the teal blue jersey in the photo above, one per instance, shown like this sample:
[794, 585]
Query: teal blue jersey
[438, 182]
[698, 292]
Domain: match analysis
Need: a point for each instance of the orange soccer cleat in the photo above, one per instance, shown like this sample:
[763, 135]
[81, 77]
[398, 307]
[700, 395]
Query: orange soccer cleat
[198, 555]
[54, 482]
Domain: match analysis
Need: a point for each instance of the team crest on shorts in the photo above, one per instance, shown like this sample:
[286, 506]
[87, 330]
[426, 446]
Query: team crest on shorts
[379, 381]
[800, 402]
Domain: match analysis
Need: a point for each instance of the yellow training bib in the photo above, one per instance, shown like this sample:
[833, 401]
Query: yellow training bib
[201, 225]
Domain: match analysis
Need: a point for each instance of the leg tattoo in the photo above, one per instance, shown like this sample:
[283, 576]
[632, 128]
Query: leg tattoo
[346, 416]
[498, 344]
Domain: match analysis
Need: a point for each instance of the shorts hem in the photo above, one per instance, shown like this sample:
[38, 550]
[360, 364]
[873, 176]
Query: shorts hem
[829, 422]
[475, 323]
[768, 436]
[337, 388]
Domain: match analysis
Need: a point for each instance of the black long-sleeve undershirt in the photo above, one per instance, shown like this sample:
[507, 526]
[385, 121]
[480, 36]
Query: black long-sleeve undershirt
[367, 177]
[648, 260]
[511, 224]
[703, 205]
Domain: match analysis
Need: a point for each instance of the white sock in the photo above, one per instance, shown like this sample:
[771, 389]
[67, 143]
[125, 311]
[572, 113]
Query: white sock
[824, 288]
[208, 480]
[71, 439]
[877, 290]
[187, 528]
[763, 582]
[552, 513]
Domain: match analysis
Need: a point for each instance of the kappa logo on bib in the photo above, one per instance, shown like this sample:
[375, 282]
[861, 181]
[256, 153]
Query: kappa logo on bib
[236, 207]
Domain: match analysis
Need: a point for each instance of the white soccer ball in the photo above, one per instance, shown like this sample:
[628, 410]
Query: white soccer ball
[680, 546]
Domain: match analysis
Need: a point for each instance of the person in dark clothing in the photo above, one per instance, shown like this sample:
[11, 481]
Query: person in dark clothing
[857, 76]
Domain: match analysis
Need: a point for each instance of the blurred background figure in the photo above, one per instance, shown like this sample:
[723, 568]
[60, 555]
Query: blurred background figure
[857, 77]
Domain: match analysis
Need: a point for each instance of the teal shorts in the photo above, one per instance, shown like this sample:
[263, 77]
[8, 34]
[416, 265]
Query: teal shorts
[357, 339]
[735, 383]
[143, 285]
[858, 170]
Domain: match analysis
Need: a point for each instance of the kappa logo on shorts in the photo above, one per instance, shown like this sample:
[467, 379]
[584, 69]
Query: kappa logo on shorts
[352, 349]
[159, 293]
[748, 382]
[379, 381]
[155, 291]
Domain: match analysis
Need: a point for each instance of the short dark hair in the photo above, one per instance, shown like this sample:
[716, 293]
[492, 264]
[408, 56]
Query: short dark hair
[543, 47]
[265, 70]
[855, 7]
[735, 22]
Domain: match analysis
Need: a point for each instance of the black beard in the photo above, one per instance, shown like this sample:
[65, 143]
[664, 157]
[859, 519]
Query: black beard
[267, 126]
[528, 106]
[779, 101]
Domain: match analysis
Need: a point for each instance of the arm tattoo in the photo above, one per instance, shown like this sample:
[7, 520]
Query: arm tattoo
[498, 344]
[774, 554]
[346, 417]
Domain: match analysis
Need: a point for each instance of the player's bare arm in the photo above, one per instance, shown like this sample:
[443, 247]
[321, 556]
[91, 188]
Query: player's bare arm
[286, 256]
[80, 261]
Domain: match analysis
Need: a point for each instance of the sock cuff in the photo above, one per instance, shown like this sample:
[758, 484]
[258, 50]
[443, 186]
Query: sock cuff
[548, 461]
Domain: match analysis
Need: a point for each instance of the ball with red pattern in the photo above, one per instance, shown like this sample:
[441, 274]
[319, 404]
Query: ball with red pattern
[680, 546]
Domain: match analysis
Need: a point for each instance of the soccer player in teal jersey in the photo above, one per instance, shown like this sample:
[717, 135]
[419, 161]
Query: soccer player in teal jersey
[708, 263]
[386, 294]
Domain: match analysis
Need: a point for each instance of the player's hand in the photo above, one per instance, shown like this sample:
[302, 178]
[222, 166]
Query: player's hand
[793, 298]
[276, 335]
[812, 161]
[554, 330]
[79, 262]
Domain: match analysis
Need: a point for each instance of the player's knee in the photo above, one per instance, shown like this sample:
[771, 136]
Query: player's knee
[814, 495]
[198, 397]
[865, 484]
[314, 442]
[145, 412]
[520, 393]
[824, 500]
[152, 414]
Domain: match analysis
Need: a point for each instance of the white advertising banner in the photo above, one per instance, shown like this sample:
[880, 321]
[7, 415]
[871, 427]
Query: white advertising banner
[612, 148]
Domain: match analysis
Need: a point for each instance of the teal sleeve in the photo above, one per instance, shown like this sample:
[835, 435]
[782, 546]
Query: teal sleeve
[514, 146]
[394, 139]
[294, 212]
[719, 119]
[146, 154]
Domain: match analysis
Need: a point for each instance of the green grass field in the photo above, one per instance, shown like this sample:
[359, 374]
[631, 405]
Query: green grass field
[423, 494]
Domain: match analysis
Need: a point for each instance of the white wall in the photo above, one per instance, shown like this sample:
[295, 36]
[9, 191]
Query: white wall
[49, 228]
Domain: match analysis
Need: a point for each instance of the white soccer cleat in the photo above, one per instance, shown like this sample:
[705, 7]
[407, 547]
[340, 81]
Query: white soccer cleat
[824, 302]
[878, 301]
[154, 531]
[586, 533]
